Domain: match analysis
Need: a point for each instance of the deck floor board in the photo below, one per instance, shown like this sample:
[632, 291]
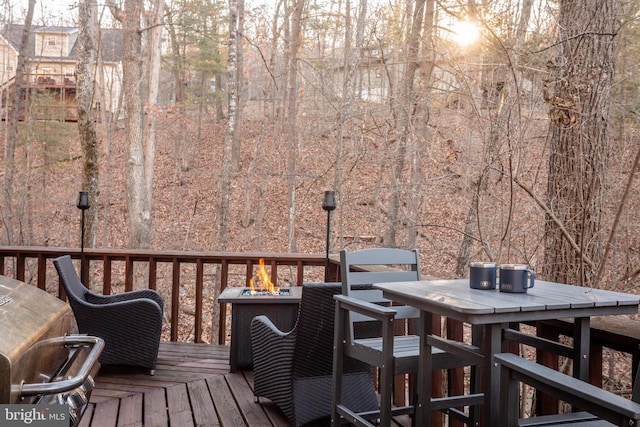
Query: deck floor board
[192, 386]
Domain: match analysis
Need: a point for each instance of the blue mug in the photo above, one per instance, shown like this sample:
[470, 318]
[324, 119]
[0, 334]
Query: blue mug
[516, 278]
[482, 275]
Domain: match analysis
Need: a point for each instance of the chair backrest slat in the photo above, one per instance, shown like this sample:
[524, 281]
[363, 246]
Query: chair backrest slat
[361, 269]
[369, 277]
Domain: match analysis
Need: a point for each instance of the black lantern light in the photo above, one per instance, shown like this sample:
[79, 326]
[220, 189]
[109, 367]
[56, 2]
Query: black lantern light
[328, 204]
[83, 205]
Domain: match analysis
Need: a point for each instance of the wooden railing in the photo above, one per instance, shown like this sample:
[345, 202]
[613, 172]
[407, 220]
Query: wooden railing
[186, 280]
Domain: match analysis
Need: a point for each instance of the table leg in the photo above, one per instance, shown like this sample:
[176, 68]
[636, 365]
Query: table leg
[581, 339]
[476, 386]
[423, 386]
[492, 345]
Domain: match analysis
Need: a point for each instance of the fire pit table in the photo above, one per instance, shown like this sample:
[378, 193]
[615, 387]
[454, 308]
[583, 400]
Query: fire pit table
[281, 308]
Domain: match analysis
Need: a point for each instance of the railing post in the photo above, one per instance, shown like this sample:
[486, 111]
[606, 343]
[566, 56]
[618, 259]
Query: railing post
[222, 315]
[153, 273]
[42, 272]
[21, 260]
[106, 278]
[199, 296]
[175, 299]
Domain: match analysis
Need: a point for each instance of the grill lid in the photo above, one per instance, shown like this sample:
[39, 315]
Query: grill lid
[28, 315]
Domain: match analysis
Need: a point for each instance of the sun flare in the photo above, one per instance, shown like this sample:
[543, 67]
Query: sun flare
[465, 32]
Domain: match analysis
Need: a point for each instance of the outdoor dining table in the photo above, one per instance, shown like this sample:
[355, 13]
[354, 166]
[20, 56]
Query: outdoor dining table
[490, 312]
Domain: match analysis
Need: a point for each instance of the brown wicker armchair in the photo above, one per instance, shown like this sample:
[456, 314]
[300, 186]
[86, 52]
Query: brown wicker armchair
[130, 323]
[293, 369]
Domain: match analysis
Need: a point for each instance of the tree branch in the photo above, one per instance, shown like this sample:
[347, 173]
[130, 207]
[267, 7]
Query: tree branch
[556, 220]
[616, 221]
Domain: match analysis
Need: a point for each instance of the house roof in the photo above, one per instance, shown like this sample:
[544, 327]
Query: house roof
[109, 45]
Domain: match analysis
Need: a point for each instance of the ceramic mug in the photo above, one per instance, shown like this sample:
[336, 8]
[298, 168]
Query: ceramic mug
[482, 275]
[516, 278]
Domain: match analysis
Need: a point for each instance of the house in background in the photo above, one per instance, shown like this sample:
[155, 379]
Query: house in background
[49, 83]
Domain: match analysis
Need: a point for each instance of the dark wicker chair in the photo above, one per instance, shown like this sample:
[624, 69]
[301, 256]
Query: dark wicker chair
[130, 323]
[293, 369]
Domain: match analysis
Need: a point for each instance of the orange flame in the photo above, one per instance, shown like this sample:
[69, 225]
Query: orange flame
[265, 283]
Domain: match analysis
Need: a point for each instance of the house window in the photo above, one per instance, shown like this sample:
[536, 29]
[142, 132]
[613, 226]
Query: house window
[51, 41]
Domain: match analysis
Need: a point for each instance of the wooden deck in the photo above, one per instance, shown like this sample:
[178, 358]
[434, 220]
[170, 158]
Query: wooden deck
[192, 387]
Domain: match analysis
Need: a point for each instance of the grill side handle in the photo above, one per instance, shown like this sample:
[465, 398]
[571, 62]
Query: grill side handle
[96, 344]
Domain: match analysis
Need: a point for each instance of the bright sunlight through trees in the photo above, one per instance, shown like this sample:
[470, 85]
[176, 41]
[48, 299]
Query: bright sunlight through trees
[464, 33]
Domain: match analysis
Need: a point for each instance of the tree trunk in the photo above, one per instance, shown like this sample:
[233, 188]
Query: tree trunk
[154, 57]
[224, 188]
[404, 111]
[138, 198]
[85, 84]
[270, 86]
[237, 136]
[292, 122]
[351, 63]
[12, 131]
[421, 137]
[579, 100]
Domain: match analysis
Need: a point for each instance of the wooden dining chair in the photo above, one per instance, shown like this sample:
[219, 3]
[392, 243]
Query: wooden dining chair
[593, 406]
[357, 309]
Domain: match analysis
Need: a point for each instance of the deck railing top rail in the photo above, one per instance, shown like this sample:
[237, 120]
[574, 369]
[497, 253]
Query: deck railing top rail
[188, 281]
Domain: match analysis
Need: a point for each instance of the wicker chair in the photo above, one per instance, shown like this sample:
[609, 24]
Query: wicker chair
[293, 369]
[130, 323]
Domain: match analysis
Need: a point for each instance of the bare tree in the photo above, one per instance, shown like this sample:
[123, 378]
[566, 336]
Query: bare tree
[138, 198]
[420, 124]
[224, 186]
[237, 136]
[86, 124]
[154, 23]
[292, 119]
[404, 111]
[579, 98]
[352, 58]
[11, 135]
[232, 100]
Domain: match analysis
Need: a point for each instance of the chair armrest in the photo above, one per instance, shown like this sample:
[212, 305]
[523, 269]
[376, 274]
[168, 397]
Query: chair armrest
[140, 311]
[266, 337]
[368, 309]
[272, 357]
[580, 394]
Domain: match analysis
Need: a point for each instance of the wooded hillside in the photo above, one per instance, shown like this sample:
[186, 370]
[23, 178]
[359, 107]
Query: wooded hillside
[431, 138]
